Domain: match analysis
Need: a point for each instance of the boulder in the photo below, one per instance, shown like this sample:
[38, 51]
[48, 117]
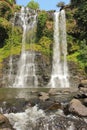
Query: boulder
[84, 82]
[4, 123]
[43, 96]
[85, 101]
[76, 107]
[52, 91]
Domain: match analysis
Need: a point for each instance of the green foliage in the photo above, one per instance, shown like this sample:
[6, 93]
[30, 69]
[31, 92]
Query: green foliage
[5, 10]
[61, 4]
[33, 5]
[81, 18]
[77, 3]
[42, 17]
[48, 33]
[83, 52]
[45, 44]
[12, 44]
[73, 44]
[15, 37]
[5, 28]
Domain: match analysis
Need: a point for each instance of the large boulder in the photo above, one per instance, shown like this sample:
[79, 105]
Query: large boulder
[76, 107]
[43, 96]
[4, 123]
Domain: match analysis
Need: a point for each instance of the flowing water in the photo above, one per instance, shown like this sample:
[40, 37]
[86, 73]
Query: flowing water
[36, 119]
[26, 76]
[60, 75]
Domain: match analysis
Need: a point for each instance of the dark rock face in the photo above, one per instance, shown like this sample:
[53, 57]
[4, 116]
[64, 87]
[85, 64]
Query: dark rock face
[76, 74]
[43, 66]
[6, 80]
[43, 70]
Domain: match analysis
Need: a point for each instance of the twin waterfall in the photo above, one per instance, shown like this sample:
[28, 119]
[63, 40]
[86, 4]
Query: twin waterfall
[59, 76]
[26, 73]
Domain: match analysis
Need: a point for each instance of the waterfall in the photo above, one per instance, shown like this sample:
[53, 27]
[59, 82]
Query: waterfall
[59, 76]
[26, 76]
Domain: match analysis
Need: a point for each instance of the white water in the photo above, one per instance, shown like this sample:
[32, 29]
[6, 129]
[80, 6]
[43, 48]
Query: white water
[25, 120]
[60, 75]
[11, 69]
[36, 119]
[26, 76]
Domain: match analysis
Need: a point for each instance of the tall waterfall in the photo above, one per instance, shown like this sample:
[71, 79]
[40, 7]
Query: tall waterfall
[59, 76]
[26, 76]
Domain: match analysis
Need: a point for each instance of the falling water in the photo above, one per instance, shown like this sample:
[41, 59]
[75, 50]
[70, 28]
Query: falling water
[26, 76]
[59, 77]
[11, 68]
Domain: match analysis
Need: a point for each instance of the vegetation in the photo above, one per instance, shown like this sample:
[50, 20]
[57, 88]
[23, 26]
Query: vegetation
[77, 32]
[45, 26]
[33, 5]
[61, 4]
[10, 37]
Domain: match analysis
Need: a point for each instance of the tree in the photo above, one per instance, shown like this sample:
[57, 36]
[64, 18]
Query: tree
[81, 18]
[33, 5]
[77, 3]
[6, 9]
[61, 4]
[42, 17]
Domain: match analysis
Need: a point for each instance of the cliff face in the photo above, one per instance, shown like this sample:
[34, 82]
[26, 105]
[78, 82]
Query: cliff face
[43, 65]
[76, 49]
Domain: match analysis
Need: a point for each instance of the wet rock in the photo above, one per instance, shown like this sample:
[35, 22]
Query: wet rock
[54, 106]
[43, 96]
[76, 107]
[52, 91]
[83, 89]
[85, 101]
[49, 105]
[12, 105]
[4, 123]
[84, 82]
[80, 86]
[81, 96]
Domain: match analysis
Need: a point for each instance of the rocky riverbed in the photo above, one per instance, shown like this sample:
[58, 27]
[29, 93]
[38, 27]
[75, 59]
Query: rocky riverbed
[45, 109]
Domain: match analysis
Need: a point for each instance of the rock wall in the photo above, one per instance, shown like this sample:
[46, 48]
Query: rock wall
[43, 66]
[76, 74]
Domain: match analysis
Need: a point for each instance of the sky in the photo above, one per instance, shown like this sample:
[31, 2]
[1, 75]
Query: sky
[44, 4]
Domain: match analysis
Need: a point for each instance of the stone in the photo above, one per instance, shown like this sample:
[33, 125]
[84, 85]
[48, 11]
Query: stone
[43, 94]
[4, 123]
[85, 101]
[44, 97]
[83, 89]
[3, 119]
[54, 106]
[52, 91]
[76, 107]
[84, 82]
